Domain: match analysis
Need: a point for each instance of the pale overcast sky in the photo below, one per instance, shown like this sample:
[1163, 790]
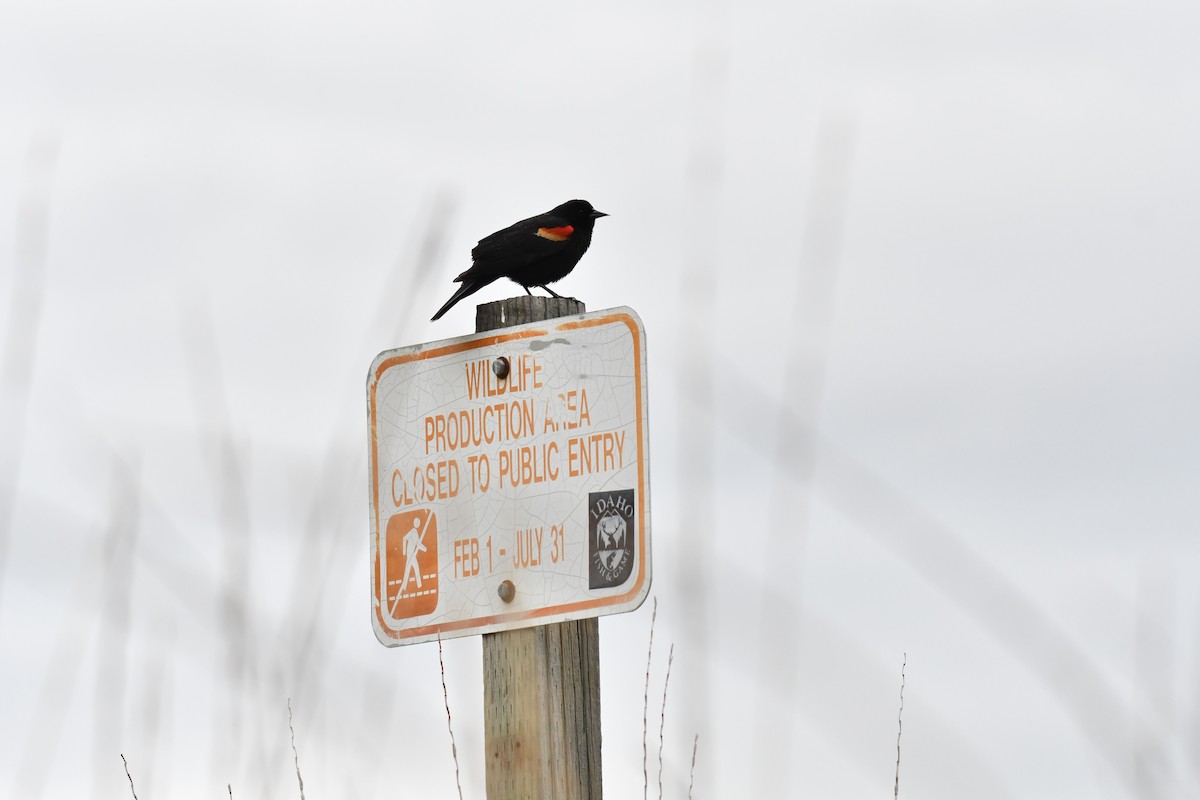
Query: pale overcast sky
[920, 288]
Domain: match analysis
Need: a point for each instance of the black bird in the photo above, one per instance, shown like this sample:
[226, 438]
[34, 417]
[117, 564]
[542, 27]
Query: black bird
[533, 252]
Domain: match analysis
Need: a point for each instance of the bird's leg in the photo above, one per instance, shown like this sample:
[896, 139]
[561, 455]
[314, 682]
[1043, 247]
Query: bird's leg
[526, 288]
[559, 296]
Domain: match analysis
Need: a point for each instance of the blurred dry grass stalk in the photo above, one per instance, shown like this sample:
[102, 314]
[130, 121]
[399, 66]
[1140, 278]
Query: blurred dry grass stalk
[692, 771]
[25, 303]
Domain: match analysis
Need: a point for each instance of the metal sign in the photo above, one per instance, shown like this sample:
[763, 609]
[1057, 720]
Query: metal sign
[509, 478]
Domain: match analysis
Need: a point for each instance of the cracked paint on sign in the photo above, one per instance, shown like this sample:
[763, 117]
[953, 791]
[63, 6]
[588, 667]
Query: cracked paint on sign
[478, 479]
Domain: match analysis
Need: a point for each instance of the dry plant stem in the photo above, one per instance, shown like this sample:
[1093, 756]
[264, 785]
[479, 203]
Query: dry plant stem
[646, 703]
[229, 786]
[692, 778]
[295, 755]
[127, 775]
[900, 726]
[449, 727]
[662, 724]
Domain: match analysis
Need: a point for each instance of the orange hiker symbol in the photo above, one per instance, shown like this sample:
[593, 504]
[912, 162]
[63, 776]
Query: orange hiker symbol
[412, 564]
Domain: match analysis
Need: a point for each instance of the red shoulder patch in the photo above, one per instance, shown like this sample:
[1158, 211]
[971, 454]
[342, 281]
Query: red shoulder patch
[560, 234]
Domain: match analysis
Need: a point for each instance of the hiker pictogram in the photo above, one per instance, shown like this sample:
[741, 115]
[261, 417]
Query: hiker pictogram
[412, 563]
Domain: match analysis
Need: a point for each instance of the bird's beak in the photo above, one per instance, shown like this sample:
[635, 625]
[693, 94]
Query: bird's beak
[598, 214]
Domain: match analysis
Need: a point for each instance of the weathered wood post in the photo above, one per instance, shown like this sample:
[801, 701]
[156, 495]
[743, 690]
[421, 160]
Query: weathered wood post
[541, 686]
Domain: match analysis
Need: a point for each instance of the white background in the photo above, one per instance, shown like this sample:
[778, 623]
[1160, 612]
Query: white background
[956, 240]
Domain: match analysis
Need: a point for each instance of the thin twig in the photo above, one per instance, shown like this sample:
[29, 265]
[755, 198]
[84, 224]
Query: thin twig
[127, 775]
[229, 786]
[449, 727]
[900, 726]
[692, 779]
[663, 718]
[646, 703]
[295, 755]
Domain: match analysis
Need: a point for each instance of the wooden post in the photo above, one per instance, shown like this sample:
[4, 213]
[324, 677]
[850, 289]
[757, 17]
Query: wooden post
[541, 686]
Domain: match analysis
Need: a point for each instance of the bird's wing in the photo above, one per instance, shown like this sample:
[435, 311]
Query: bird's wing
[519, 245]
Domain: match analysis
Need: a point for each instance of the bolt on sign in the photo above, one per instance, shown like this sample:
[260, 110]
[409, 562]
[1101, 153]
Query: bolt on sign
[509, 478]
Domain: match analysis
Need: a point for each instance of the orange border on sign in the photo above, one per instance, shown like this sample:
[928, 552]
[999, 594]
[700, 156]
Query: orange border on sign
[516, 616]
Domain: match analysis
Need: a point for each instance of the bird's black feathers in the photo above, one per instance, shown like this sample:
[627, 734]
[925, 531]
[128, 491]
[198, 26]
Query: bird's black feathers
[533, 252]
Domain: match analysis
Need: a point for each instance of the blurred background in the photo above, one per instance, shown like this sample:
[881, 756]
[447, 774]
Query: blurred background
[920, 283]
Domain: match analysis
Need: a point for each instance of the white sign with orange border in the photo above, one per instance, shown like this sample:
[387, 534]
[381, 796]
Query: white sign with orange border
[509, 478]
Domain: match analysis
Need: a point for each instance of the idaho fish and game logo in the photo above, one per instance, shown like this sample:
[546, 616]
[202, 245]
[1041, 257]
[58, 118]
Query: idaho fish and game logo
[612, 536]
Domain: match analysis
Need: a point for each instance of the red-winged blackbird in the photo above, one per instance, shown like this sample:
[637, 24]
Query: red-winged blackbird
[533, 252]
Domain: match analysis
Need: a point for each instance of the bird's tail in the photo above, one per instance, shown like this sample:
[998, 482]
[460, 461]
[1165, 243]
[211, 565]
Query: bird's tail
[469, 286]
